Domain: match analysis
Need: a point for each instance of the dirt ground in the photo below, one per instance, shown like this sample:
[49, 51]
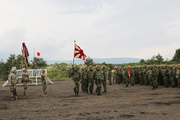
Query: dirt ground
[135, 102]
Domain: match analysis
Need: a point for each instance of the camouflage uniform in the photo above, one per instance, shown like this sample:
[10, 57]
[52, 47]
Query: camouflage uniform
[86, 81]
[44, 82]
[25, 79]
[109, 76]
[98, 76]
[132, 71]
[154, 78]
[126, 76]
[166, 75]
[82, 80]
[178, 75]
[76, 78]
[150, 75]
[91, 80]
[104, 79]
[13, 83]
[140, 71]
[171, 77]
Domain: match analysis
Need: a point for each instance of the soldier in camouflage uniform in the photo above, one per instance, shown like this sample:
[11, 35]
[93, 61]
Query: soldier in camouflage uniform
[166, 75]
[140, 73]
[76, 79]
[12, 76]
[98, 77]
[126, 76]
[132, 71]
[91, 79]
[44, 82]
[82, 80]
[86, 81]
[25, 79]
[178, 75]
[109, 76]
[171, 77]
[104, 78]
[153, 78]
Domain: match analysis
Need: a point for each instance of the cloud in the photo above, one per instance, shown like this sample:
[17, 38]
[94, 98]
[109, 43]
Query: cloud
[102, 28]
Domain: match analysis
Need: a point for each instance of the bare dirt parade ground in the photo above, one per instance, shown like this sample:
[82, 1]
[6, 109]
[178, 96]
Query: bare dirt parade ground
[135, 102]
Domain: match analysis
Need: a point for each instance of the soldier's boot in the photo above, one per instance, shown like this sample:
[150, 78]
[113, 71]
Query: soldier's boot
[44, 95]
[25, 94]
[153, 88]
[98, 94]
[132, 84]
[16, 97]
[104, 91]
[77, 94]
[91, 92]
[126, 86]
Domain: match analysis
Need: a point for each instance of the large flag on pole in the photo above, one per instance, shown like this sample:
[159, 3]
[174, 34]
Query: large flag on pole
[26, 55]
[79, 53]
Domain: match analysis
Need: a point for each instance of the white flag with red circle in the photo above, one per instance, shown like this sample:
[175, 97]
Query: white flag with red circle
[38, 54]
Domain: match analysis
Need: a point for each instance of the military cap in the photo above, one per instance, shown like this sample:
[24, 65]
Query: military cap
[24, 69]
[13, 69]
[90, 66]
[97, 66]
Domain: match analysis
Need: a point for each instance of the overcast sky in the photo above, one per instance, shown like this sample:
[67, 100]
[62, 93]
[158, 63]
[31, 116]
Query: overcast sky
[102, 28]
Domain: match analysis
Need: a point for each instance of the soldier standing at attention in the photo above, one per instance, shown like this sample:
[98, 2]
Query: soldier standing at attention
[44, 82]
[25, 79]
[82, 80]
[90, 78]
[104, 78]
[109, 76]
[98, 76]
[86, 81]
[12, 77]
[76, 78]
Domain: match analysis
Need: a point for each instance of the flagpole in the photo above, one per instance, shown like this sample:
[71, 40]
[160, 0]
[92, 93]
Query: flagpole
[74, 50]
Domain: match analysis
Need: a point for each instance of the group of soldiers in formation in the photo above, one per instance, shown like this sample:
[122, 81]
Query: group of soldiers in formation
[154, 75]
[25, 79]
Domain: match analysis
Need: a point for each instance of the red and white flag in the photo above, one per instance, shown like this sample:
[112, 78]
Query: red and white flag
[38, 54]
[79, 53]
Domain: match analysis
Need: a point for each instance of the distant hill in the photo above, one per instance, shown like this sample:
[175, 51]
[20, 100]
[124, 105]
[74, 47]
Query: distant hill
[120, 60]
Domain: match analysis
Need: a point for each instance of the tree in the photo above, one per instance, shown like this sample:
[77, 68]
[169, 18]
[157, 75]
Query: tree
[176, 57]
[142, 61]
[38, 62]
[159, 59]
[89, 61]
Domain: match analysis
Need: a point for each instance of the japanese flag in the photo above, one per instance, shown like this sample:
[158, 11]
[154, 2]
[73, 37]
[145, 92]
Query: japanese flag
[38, 54]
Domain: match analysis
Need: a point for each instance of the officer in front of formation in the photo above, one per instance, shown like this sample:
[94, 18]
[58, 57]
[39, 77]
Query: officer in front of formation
[25, 80]
[12, 77]
[76, 78]
[44, 82]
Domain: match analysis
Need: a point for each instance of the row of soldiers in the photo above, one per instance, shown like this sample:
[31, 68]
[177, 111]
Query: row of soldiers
[25, 79]
[167, 75]
[153, 75]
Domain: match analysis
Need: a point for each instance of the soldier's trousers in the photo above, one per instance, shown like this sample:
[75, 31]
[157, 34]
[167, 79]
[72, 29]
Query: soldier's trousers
[149, 80]
[98, 88]
[104, 84]
[109, 78]
[25, 85]
[117, 78]
[86, 85]
[178, 79]
[140, 80]
[132, 81]
[13, 91]
[126, 80]
[76, 87]
[154, 82]
[166, 81]
[172, 81]
[91, 86]
[44, 86]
